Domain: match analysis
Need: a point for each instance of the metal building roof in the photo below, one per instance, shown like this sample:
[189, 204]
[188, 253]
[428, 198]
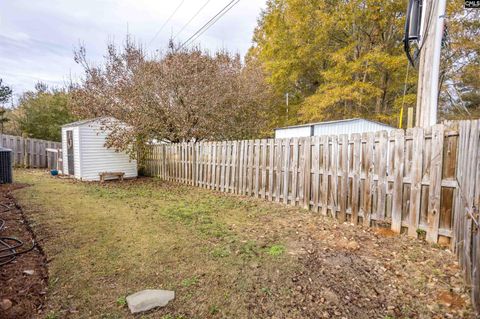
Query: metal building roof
[333, 122]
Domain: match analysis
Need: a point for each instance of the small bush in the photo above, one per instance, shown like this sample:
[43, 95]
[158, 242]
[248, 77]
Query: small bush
[220, 252]
[189, 282]
[213, 310]
[249, 249]
[276, 250]
[122, 301]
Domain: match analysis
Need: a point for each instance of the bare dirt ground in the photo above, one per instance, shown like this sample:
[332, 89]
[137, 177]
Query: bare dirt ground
[226, 256]
[347, 271]
[22, 292]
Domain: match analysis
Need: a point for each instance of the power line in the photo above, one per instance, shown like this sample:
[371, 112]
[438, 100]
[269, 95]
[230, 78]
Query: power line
[210, 22]
[191, 19]
[215, 21]
[167, 21]
[207, 24]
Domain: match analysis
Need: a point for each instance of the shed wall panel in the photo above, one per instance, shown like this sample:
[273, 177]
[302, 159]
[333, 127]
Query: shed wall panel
[303, 131]
[349, 127]
[332, 128]
[96, 158]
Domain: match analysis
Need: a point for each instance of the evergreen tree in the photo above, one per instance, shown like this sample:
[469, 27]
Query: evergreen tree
[41, 113]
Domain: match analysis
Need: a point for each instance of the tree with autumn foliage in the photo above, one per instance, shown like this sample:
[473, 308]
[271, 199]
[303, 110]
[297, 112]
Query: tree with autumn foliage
[336, 58]
[340, 59]
[181, 95]
[460, 72]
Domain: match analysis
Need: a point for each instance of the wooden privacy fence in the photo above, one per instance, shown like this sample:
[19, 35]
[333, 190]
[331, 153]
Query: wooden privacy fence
[419, 181]
[30, 152]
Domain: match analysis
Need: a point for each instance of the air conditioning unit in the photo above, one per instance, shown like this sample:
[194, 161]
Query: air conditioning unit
[6, 170]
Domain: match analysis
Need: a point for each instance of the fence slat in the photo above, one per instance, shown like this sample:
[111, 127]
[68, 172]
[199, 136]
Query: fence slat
[278, 168]
[343, 189]
[325, 165]
[228, 168]
[469, 192]
[334, 177]
[257, 168]
[315, 164]
[435, 187]
[223, 163]
[263, 190]
[271, 154]
[295, 171]
[250, 164]
[382, 175]
[416, 180]
[397, 195]
[234, 167]
[301, 173]
[306, 168]
[356, 164]
[241, 175]
[367, 191]
[286, 170]
[476, 240]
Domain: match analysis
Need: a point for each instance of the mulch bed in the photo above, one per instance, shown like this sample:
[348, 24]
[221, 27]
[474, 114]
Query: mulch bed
[22, 292]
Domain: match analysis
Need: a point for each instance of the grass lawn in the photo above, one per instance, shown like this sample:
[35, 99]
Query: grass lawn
[225, 256]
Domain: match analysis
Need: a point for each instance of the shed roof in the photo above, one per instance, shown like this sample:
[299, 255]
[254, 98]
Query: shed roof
[334, 122]
[83, 122]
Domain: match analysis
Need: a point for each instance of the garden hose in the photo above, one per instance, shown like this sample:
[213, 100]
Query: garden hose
[9, 245]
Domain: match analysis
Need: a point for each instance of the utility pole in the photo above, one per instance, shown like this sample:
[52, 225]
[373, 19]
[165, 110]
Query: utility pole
[433, 16]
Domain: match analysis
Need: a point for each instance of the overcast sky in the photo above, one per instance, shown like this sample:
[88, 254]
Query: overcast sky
[37, 37]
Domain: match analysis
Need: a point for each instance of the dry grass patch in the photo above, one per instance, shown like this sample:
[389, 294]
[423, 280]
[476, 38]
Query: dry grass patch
[225, 256]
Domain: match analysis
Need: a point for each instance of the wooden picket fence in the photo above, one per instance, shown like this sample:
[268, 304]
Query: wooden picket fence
[419, 181]
[466, 230]
[30, 152]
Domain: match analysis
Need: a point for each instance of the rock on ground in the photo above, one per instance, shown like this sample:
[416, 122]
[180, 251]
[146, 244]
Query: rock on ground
[148, 299]
[5, 304]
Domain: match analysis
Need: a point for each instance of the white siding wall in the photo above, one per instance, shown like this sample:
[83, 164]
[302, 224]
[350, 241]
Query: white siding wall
[301, 131]
[349, 127]
[76, 150]
[333, 128]
[64, 152]
[96, 158]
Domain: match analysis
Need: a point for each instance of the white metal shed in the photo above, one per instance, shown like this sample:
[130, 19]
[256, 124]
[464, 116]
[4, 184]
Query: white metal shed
[85, 155]
[348, 126]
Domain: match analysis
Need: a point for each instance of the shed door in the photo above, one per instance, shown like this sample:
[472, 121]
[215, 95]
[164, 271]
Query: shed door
[71, 165]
